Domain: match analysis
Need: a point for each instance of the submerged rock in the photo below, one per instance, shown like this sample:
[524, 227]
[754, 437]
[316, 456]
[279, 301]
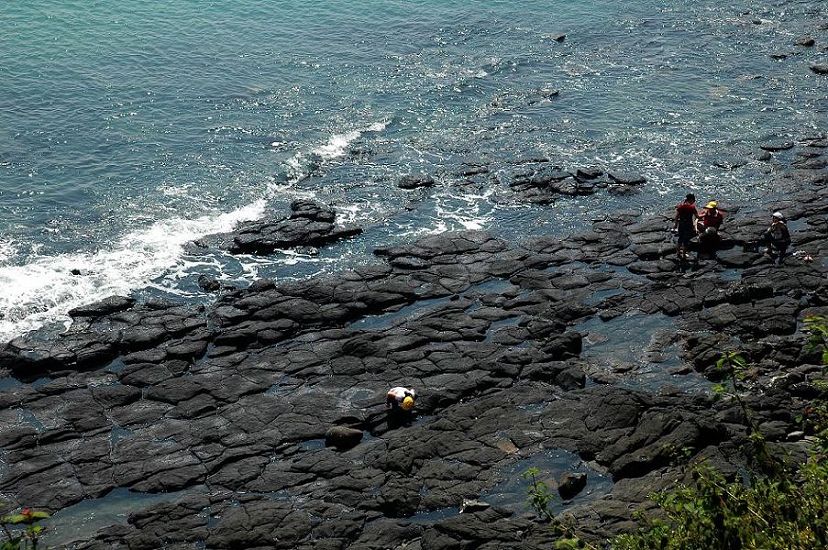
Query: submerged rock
[208, 284]
[777, 145]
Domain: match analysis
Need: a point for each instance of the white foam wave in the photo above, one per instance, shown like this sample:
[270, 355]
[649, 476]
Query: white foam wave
[7, 250]
[45, 289]
[304, 163]
[338, 144]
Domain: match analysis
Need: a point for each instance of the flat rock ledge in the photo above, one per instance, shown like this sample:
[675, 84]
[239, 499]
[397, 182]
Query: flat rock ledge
[309, 224]
[226, 410]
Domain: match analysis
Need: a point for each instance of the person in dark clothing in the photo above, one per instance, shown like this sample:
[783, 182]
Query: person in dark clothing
[685, 224]
[777, 237]
[710, 221]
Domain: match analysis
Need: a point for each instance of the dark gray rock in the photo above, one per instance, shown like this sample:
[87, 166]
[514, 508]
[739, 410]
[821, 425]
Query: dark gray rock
[309, 225]
[415, 181]
[233, 404]
[571, 484]
[626, 178]
[778, 145]
[104, 307]
[208, 284]
[590, 173]
[805, 41]
[342, 437]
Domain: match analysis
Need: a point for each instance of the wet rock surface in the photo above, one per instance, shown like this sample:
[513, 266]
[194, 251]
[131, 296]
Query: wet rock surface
[266, 409]
[542, 182]
[309, 224]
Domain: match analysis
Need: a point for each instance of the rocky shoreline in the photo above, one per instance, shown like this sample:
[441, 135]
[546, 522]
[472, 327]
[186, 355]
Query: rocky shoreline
[226, 408]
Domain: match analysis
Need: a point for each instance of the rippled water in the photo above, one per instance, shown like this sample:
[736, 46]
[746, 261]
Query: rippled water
[128, 129]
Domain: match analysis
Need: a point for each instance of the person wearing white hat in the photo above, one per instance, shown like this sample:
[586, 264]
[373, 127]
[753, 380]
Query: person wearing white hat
[777, 237]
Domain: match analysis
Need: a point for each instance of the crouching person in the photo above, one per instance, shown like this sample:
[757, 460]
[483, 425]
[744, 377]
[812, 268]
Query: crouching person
[777, 238]
[400, 405]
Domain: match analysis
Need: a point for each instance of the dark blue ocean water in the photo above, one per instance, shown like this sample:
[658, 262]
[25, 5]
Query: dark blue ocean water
[127, 129]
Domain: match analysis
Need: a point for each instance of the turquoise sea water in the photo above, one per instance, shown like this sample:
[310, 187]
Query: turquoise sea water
[127, 129]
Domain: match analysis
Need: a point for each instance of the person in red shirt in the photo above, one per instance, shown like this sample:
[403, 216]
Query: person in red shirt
[685, 224]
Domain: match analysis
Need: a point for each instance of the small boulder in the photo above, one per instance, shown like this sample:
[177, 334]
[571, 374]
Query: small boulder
[820, 68]
[805, 41]
[342, 437]
[571, 484]
[560, 37]
[208, 284]
[415, 181]
[777, 145]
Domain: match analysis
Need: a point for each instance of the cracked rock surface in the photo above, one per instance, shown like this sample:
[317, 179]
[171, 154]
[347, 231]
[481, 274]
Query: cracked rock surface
[226, 408]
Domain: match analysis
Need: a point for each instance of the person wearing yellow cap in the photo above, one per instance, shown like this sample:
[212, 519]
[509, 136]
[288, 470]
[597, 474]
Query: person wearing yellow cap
[400, 404]
[710, 220]
[400, 398]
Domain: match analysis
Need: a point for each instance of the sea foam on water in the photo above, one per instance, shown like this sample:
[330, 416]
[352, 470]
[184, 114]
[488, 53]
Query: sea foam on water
[45, 289]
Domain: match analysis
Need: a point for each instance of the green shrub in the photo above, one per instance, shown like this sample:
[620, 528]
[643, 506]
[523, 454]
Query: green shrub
[22, 530]
[782, 513]
[777, 506]
[539, 496]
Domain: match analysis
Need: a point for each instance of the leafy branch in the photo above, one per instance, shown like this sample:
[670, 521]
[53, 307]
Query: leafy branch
[29, 536]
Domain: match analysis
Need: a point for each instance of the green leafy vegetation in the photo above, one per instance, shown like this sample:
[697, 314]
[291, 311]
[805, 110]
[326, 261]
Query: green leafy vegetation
[539, 496]
[775, 505]
[22, 530]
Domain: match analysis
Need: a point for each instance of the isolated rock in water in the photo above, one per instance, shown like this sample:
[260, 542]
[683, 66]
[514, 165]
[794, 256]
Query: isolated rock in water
[309, 224]
[208, 284]
[571, 484]
[75, 271]
[626, 178]
[805, 41]
[820, 68]
[342, 437]
[778, 145]
[560, 37]
[415, 181]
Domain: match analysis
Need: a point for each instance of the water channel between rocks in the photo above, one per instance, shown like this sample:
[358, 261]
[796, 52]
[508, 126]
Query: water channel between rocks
[638, 351]
[79, 521]
[511, 491]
